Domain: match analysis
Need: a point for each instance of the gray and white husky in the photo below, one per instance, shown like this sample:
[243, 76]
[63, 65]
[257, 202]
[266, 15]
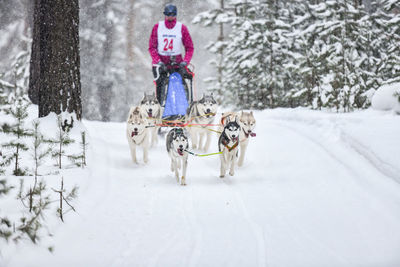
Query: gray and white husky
[137, 133]
[177, 144]
[228, 144]
[151, 109]
[247, 124]
[202, 112]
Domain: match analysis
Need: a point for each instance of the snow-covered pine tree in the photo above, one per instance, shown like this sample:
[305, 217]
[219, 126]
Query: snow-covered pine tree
[61, 141]
[80, 159]
[5, 89]
[35, 202]
[256, 54]
[5, 223]
[65, 196]
[38, 151]
[217, 17]
[12, 149]
[14, 83]
[390, 18]
[310, 57]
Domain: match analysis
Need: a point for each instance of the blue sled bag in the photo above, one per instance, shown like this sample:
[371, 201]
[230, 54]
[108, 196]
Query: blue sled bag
[176, 102]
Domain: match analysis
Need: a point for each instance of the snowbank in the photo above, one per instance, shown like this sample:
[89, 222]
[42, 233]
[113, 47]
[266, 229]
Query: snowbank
[385, 98]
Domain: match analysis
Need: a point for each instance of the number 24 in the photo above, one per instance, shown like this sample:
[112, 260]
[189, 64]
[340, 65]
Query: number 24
[168, 45]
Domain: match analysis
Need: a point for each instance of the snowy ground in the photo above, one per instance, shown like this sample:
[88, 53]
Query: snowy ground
[316, 189]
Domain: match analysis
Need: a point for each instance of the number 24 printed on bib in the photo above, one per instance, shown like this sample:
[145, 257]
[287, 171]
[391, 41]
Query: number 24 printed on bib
[168, 44]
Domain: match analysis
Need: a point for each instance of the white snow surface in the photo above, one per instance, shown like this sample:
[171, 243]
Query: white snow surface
[385, 98]
[316, 189]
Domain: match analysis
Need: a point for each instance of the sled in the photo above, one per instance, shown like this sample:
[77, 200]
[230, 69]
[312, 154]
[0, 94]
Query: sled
[178, 95]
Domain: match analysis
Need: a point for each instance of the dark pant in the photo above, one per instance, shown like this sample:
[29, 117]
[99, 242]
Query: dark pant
[160, 85]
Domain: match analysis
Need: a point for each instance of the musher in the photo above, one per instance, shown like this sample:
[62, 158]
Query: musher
[165, 46]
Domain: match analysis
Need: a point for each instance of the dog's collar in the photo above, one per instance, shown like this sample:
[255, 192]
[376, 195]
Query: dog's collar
[135, 136]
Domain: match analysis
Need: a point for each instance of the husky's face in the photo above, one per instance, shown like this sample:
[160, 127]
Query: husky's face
[179, 141]
[232, 130]
[150, 105]
[136, 122]
[207, 105]
[247, 122]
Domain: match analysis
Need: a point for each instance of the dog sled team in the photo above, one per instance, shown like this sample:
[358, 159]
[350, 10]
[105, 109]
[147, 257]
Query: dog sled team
[234, 130]
[173, 78]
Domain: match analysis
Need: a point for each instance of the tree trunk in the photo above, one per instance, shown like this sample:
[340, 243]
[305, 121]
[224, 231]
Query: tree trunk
[55, 63]
[34, 67]
[130, 36]
[105, 86]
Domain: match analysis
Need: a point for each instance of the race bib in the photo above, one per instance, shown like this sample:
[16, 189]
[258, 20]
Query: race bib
[169, 40]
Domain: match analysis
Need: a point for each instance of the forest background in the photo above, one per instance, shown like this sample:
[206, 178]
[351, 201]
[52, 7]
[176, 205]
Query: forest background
[252, 54]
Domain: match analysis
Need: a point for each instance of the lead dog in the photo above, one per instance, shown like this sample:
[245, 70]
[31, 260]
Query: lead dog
[247, 124]
[137, 133]
[202, 113]
[151, 109]
[228, 144]
[177, 144]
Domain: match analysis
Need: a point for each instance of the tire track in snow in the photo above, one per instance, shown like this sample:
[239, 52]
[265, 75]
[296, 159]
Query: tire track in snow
[368, 155]
[383, 167]
[255, 228]
[336, 159]
[319, 145]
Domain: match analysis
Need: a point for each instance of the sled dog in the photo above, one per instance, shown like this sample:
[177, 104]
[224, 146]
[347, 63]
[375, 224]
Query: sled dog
[202, 112]
[151, 110]
[228, 144]
[177, 143]
[137, 133]
[247, 124]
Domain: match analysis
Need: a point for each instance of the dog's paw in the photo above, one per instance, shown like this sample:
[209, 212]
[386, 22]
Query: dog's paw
[222, 176]
[183, 180]
[231, 173]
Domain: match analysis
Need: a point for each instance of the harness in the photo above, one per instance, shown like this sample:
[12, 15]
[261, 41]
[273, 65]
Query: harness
[132, 137]
[225, 142]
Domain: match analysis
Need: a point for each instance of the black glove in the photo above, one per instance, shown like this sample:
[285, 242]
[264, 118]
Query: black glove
[162, 66]
[183, 64]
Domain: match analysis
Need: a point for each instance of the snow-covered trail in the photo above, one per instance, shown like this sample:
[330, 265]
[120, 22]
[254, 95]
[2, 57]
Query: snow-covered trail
[306, 196]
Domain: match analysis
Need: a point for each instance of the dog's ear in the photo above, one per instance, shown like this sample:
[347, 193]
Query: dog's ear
[236, 119]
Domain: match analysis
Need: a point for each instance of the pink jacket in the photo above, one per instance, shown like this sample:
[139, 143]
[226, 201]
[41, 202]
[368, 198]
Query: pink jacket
[186, 40]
